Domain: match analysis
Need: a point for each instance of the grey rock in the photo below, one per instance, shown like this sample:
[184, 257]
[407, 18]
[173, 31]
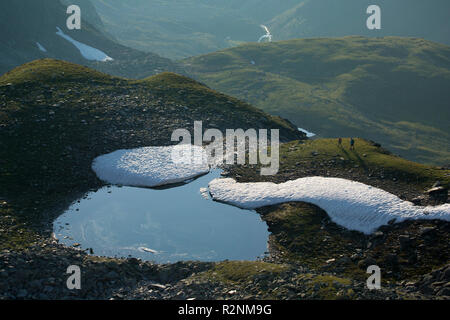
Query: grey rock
[363, 264]
[405, 242]
[446, 275]
[427, 231]
[436, 184]
[111, 275]
[392, 259]
[22, 293]
[444, 292]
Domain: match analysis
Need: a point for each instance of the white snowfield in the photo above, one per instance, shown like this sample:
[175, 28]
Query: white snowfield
[308, 134]
[86, 51]
[353, 205]
[151, 166]
[40, 47]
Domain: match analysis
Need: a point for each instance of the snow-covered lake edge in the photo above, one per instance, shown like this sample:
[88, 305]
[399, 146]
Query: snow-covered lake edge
[151, 166]
[350, 204]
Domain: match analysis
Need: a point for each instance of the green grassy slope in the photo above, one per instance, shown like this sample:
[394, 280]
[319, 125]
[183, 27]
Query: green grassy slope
[369, 163]
[56, 117]
[391, 90]
[303, 232]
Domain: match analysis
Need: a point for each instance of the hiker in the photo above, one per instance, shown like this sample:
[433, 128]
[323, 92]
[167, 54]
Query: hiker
[340, 142]
[352, 144]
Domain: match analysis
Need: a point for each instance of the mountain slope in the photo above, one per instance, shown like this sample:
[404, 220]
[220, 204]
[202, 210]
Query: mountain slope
[391, 90]
[88, 13]
[29, 32]
[330, 18]
[176, 29]
[56, 117]
[182, 28]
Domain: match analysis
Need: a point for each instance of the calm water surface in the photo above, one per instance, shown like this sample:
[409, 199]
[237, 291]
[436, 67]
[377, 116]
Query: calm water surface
[163, 225]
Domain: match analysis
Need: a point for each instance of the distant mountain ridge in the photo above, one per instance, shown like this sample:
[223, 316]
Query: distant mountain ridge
[89, 13]
[182, 28]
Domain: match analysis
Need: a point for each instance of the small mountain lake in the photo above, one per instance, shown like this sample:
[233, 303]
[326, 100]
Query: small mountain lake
[164, 225]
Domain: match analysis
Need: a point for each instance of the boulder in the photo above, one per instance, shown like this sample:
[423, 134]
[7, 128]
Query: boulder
[364, 263]
[439, 192]
[405, 242]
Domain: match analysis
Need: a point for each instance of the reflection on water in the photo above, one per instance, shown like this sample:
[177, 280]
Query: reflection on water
[164, 225]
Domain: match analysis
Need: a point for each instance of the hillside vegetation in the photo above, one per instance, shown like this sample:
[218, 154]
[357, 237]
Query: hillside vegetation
[391, 90]
[56, 117]
[304, 233]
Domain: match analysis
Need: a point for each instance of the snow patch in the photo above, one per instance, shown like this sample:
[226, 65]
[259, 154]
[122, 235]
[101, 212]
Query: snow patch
[308, 134]
[144, 249]
[204, 193]
[351, 204]
[86, 51]
[40, 47]
[267, 36]
[151, 166]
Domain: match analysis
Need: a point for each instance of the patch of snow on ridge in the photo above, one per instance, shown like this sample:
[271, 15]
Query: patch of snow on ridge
[41, 47]
[351, 204]
[308, 134]
[151, 166]
[86, 51]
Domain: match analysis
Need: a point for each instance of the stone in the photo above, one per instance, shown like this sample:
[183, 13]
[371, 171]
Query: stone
[22, 293]
[405, 242]
[436, 184]
[133, 260]
[391, 222]
[438, 192]
[157, 285]
[369, 261]
[392, 259]
[427, 231]
[418, 200]
[444, 292]
[446, 274]
[111, 275]
[378, 234]
[344, 260]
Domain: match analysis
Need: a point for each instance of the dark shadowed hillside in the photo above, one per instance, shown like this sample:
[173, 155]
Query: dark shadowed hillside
[29, 32]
